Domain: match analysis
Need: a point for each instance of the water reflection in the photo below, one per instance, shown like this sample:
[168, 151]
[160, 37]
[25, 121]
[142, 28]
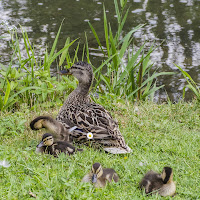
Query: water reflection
[175, 21]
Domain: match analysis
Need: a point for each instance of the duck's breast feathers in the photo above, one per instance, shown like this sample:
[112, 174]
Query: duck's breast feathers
[168, 189]
[87, 178]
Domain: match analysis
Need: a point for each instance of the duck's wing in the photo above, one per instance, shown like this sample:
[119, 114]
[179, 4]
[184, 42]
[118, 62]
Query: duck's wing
[110, 174]
[152, 181]
[95, 119]
[66, 147]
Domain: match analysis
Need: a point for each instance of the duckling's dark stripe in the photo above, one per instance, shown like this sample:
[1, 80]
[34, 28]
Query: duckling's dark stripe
[46, 135]
[99, 169]
[48, 138]
[168, 172]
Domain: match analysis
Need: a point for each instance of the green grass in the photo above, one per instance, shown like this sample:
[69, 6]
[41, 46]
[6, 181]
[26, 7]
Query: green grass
[160, 135]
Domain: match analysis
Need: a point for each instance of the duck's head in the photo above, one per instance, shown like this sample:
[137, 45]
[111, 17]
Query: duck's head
[47, 140]
[81, 70]
[97, 172]
[167, 175]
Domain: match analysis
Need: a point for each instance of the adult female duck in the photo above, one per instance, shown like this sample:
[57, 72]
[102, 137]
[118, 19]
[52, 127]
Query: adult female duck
[85, 115]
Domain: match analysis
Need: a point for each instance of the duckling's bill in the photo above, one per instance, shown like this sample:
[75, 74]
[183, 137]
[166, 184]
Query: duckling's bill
[40, 145]
[94, 178]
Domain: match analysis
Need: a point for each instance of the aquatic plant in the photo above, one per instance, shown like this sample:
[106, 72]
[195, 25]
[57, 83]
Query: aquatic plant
[191, 84]
[125, 72]
[27, 79]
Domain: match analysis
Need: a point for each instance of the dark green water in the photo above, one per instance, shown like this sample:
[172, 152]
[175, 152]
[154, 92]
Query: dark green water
[177, 21]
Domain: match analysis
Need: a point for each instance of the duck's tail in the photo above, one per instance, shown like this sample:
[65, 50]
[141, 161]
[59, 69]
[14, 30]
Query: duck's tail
[53, 126]
[118, 150]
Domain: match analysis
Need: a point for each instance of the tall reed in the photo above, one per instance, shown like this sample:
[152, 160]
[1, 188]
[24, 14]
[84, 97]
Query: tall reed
[191, 84]
[131, 78]
[31, 80]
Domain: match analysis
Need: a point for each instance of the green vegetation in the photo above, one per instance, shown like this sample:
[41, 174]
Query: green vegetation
[191, 84]
[27, 79]
[130, 79]
[160, 135]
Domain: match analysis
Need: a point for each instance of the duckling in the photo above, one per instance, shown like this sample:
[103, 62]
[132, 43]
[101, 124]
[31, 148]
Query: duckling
[162, 183]
[53, 126]
[48, 146]
[99, 176]
[80, 111]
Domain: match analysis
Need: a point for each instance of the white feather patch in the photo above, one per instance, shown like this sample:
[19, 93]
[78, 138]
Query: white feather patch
[117, 150]
[72, 129]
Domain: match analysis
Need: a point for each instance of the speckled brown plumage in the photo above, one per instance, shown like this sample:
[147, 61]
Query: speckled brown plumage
[91, 117]
[81, 112]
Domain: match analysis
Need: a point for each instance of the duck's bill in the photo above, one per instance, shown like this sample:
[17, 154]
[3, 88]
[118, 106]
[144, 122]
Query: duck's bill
[94, 178]
[65, 72]
[40, 145]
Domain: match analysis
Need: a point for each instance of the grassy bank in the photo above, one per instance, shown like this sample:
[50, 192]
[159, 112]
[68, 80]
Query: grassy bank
[160, 135]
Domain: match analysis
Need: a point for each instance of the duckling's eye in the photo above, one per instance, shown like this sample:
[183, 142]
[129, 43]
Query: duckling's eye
[47, 139]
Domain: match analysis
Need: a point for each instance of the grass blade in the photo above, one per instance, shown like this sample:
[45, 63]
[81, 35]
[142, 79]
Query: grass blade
[64, 53]
[149, 79]
[130, 65]
[117, 11]
[7, 93]
[55, 42]
[96, 36]
[106, 32]
[103, 64]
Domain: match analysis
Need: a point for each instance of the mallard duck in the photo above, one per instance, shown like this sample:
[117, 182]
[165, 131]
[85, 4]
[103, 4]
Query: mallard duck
[162, 184]
[48, 146]
[99, 176]
[87, 116]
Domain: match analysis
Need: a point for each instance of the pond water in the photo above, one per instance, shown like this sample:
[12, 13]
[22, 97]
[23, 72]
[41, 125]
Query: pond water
[178, 22]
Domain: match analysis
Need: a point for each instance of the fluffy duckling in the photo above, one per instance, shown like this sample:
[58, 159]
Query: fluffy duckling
[99, 176]
[53, 126]
[162, 184]
[48, 146]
